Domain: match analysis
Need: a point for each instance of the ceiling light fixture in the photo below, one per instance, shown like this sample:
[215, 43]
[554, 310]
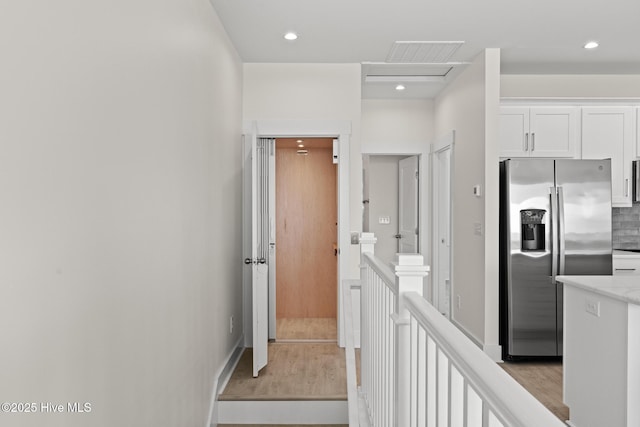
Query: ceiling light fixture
[290, 36]
[591, 45]
[400, 87]
[300, 145]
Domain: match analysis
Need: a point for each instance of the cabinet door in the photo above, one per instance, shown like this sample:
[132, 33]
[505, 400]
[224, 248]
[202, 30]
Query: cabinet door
[514, 132]
[607, 132]
[554, 131]
[626, 264]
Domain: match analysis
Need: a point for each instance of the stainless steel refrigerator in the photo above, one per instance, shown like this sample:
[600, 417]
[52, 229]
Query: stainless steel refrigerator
[555, 218]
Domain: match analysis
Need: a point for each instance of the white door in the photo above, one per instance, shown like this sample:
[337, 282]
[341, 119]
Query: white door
[256, 256]
[408, 205]
[443, 229]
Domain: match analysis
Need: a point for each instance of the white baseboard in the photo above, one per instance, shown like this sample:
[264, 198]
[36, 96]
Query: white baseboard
[283, 412]
[221, 380]
[494, 351]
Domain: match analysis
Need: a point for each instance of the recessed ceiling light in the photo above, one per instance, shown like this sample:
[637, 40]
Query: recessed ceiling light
[400, 87]
[300, 145]
[291, 36]
[299, 141]
[591, 45]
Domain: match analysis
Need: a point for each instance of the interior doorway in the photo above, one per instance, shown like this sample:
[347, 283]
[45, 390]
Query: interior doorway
[306, 233]
[391, 203]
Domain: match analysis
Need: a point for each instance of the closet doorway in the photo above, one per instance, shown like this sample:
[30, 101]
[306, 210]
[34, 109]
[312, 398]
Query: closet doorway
[306, 223]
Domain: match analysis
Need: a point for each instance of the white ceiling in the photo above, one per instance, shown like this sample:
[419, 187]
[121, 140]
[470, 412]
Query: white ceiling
[542, 36]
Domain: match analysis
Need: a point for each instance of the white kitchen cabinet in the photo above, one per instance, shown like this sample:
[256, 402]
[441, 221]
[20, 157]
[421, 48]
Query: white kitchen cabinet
[608, 132]
[625, 262]
[538, 131]
[637, 129]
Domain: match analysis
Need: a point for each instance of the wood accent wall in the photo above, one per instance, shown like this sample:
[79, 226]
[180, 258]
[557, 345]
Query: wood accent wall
[306, 233]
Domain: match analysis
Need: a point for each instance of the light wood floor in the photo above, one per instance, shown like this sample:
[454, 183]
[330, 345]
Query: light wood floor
[283, 425]
[543, 380]
[295, 371]
[318, 329]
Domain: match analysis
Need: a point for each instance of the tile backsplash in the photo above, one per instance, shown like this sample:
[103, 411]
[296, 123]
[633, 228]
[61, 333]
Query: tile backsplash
[626, 227]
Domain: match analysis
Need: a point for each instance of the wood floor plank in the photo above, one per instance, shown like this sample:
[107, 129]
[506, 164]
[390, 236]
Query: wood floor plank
[295, 371]
[543, 379]
[324, 329]
[283, 425]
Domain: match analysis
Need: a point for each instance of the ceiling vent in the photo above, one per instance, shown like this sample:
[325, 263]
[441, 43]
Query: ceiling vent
[422, 52]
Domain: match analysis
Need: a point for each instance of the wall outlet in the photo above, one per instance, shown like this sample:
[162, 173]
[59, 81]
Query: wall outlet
[355, 238]
[384, 220]
[230, 324]
[592, 307]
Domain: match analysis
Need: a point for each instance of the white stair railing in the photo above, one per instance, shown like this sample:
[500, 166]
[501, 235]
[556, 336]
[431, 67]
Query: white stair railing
[418, 369]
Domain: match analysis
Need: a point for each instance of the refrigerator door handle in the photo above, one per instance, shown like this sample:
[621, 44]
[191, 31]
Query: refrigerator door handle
[561, 242]
[553, 196]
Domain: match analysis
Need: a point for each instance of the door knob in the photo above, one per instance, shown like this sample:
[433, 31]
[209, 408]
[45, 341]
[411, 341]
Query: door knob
[398, 236]
[247, 260]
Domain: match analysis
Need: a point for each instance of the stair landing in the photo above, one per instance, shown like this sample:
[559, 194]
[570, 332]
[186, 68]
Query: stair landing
[303, 383]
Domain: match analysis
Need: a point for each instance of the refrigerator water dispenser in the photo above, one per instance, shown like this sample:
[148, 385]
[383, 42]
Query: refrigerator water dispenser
[532, 229]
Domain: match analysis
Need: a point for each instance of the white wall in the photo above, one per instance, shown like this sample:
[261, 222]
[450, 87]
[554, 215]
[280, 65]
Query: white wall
[120, 178]
[397, 126]
[570, 85]
[299, 92]
[470, 106]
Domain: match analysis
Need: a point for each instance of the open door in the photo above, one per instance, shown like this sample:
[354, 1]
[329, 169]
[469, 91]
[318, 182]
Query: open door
[256, 172]
[408, 205]
[442, 265]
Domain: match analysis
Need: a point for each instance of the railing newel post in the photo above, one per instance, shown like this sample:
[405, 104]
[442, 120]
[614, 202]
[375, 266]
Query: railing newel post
[410, 272]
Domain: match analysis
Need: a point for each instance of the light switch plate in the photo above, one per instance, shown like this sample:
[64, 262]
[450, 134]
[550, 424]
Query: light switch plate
[384, 220]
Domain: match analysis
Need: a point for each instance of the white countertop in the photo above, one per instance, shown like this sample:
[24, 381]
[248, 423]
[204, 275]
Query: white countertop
[624, 288]
[623, 253]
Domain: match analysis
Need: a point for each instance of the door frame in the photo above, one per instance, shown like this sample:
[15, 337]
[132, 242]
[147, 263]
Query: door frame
[337, 129]
[447, 142]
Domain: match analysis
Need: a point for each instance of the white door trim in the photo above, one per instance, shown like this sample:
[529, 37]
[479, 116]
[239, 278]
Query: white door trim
[441, 144]
[410, 235]
[340, 130]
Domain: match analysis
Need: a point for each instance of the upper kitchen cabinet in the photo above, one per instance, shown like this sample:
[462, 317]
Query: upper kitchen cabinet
[608, 132]
[538, 132]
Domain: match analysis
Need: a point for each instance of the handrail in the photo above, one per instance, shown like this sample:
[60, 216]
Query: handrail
[350, 354]
[507, 400]
[383, 271]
